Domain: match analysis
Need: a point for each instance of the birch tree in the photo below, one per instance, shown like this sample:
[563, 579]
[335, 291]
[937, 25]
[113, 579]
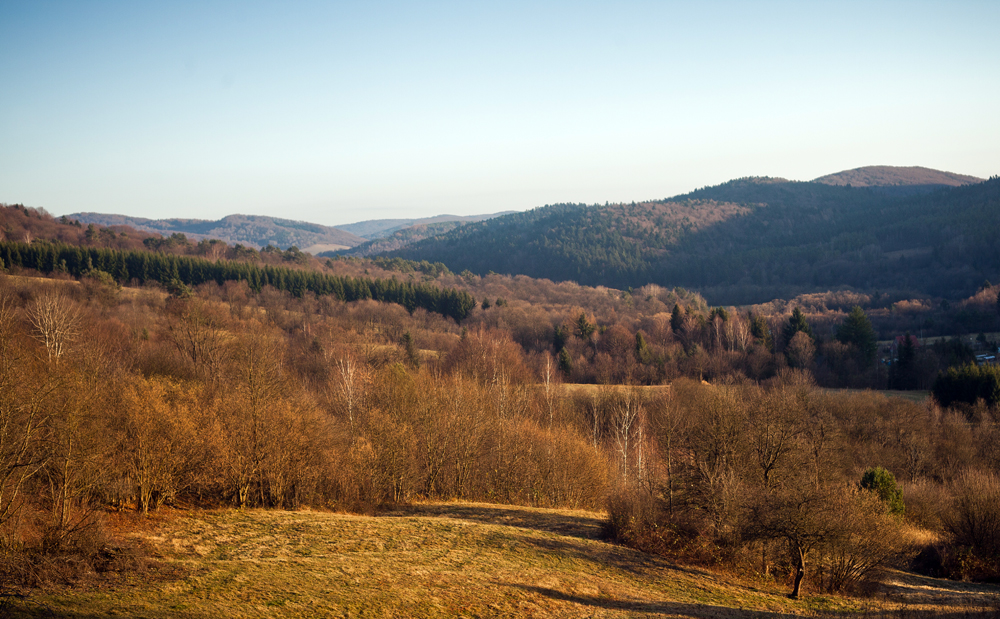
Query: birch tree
[56, 322]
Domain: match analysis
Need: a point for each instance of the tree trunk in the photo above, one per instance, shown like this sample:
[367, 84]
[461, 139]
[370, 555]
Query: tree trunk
[800, 570]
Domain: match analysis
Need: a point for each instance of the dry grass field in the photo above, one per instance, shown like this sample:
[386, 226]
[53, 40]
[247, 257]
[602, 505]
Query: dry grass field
[445, 560]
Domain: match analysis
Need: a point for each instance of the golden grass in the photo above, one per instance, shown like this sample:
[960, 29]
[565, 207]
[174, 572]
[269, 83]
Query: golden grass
[586, 389]
[434, 560]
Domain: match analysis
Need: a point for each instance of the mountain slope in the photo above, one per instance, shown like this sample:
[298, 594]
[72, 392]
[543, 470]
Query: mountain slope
[381, 228]
[253, 230]
[748, 240]
[400, 238]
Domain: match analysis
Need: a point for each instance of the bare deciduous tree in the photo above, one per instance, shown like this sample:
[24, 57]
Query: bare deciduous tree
[197, 334]
[56, 322]
[22, 415]
[627, 421]
[351, 378]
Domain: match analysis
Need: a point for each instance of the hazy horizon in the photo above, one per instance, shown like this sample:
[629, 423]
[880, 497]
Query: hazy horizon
[336, 113]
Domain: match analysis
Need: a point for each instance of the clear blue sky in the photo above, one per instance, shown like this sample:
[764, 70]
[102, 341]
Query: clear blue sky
[339, 112]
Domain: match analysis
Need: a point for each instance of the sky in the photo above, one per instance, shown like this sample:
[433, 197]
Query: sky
[334, 112]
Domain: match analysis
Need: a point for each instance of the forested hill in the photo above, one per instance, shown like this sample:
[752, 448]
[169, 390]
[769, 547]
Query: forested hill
[381, 228]
[897, 177]
[747, 241]
[252, 230]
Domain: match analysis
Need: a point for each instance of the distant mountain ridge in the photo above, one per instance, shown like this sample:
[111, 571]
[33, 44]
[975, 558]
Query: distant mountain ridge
[751, 240]
[261, 230]
[381, 228]
[252, 230]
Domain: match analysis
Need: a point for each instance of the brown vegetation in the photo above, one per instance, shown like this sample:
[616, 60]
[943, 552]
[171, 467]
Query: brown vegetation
[130, 399]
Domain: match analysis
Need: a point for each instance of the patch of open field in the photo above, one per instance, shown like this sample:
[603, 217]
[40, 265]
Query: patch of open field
[585, 389]
[446, 560]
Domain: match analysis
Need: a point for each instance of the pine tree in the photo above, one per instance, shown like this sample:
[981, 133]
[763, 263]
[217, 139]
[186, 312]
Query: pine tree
[883, 484]
[857, 331]
[676, 318]
[796, 323]
[565, 362]
[761, 332]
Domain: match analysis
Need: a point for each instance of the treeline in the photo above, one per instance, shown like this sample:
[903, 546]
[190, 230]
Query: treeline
[747, 241]
[173, 271]
[654, 335]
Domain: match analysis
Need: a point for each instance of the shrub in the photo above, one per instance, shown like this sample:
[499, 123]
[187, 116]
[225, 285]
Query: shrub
[926, 502]
[882, 483]
[974, 524]
[872, 542]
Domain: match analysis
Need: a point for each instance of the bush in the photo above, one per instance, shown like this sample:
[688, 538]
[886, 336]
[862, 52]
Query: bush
[882, 483]
[637, 519]
[926, 502]
[974, 525]
[874, 541]
[45, 555]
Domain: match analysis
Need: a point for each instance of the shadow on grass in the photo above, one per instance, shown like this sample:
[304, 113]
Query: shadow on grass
[572, 527]
[705, 611]
[916, 589]
[673, 609]
[584, 527]
[622, 558]
[27, 609]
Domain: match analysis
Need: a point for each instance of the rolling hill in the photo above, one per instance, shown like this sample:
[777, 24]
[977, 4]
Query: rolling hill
[894, 176]
[382, 228]
[898, 181]
[750, 240]
[252, 230]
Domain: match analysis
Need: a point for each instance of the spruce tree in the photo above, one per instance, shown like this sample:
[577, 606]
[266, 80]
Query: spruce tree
[796, 323]
[856, 330]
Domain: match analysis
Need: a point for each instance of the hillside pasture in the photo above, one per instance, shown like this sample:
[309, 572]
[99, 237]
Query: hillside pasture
[445, 560]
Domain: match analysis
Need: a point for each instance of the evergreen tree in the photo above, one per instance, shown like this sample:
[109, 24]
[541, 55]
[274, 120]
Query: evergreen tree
[565, 362]
[796, 323]
[676, 318]
[560, 337]
[856, 330]
[902, 372]
[968, 384]
[883, 483]
[761, 332]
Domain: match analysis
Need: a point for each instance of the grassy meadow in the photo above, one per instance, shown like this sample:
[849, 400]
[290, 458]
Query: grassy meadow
[442, 560]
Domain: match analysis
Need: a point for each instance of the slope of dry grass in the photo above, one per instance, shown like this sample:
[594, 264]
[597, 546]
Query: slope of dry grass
[437, 560]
